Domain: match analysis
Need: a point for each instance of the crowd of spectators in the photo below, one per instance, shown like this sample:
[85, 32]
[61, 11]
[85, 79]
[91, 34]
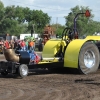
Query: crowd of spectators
[23, 45]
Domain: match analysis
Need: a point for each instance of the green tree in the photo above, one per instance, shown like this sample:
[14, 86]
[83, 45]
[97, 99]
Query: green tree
[17, 20]
[38, 18]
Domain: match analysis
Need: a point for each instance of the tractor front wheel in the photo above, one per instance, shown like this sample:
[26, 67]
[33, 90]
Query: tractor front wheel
[89, 58]
[23, 70]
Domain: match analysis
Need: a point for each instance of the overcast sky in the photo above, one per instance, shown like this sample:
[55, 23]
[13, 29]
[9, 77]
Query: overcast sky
[57, 9]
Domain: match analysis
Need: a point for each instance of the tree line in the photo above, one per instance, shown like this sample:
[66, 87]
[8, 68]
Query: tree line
[16, 20]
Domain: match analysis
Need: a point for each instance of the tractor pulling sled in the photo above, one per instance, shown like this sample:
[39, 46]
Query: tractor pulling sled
[69, 51]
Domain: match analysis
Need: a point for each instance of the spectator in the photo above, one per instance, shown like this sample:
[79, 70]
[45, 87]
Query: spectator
[6, 45]
[26, 44]
[22, 44]
[12, 44]
[31, 45]
[18, 47]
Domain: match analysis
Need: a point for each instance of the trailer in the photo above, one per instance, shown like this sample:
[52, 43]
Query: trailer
[67, 52]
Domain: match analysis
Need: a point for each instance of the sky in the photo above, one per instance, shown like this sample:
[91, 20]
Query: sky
[57, 9]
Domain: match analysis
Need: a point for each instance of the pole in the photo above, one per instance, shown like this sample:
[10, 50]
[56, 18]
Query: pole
[57, 22]
[33, 31]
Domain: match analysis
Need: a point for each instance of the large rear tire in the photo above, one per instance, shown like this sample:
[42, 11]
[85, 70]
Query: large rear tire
[89, 58]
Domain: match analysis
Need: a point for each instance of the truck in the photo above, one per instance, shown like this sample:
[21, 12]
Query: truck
[67, 52]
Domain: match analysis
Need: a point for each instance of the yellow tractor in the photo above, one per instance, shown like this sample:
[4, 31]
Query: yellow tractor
[82, 54]
[67, 52]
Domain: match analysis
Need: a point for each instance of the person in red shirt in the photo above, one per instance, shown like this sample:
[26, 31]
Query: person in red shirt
[6, 44]
[22, 44]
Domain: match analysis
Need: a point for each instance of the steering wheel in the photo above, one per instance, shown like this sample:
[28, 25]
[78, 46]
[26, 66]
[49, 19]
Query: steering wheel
[67, 32]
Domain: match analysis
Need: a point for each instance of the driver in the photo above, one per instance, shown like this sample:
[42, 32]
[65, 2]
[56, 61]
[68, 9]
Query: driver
[34, 57]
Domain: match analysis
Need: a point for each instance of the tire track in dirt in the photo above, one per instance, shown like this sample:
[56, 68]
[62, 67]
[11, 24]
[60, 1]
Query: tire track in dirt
[52, 94]
[10, 93]
[13, 93]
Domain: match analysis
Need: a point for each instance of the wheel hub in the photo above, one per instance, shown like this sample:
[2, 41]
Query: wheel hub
[89, 59]
[24, 71]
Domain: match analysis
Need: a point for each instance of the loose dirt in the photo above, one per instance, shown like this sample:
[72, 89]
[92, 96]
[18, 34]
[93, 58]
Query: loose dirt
[47, 85]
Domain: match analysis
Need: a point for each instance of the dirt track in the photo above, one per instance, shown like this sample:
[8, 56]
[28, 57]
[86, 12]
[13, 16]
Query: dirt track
[45, 85]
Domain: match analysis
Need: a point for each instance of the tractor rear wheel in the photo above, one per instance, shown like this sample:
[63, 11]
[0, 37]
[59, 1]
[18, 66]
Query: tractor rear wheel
[89, 58]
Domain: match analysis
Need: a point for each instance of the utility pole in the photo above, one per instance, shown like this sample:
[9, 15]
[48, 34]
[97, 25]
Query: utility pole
[57, 22]
[33, 30]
